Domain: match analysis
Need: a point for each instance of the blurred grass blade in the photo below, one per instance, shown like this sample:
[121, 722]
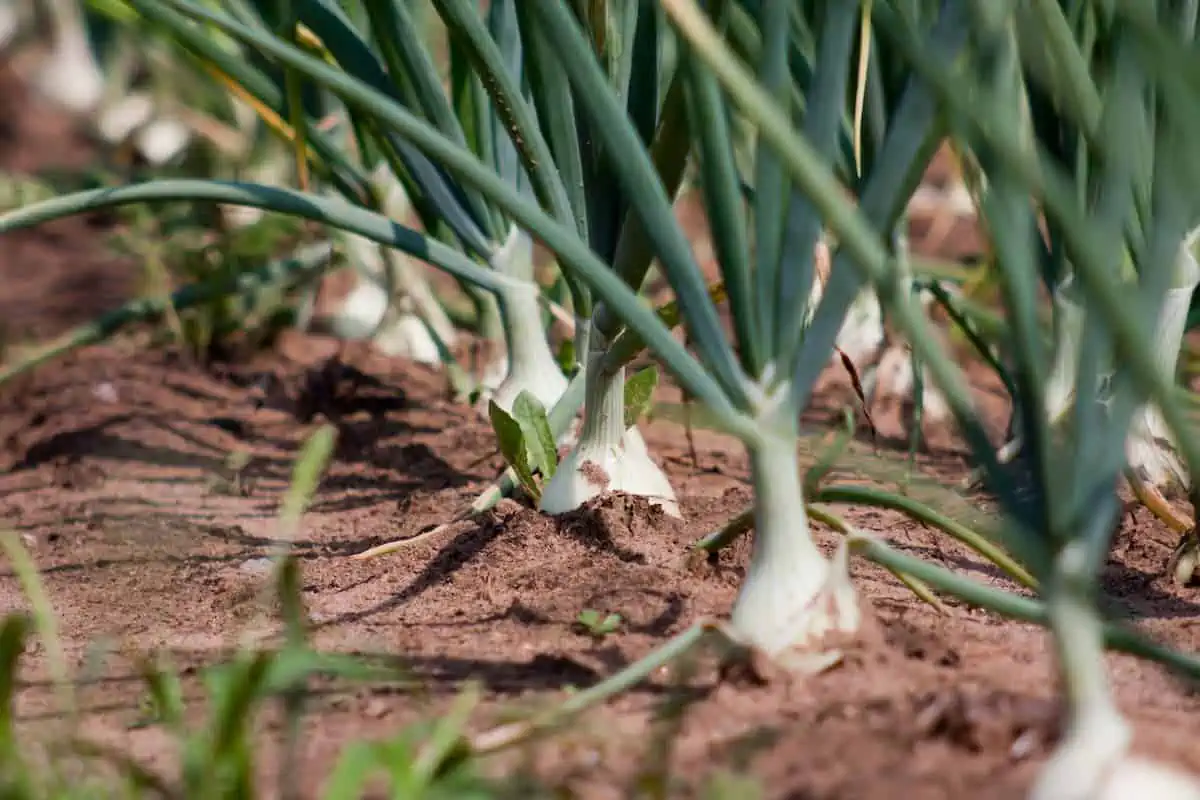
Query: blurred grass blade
[45, 621]
[166, 692]
[310, 467]
[13, 633]
[447, 742]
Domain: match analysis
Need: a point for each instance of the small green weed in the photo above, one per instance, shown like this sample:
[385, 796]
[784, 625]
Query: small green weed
[597, 624]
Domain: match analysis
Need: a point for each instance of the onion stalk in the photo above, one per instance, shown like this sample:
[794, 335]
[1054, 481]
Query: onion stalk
[792, 597]
[1093, 761]
[528, 363]
[391, 303]
[1150, 449]
[608, 457]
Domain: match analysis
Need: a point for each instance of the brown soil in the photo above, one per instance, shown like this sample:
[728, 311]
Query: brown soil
[114, 474]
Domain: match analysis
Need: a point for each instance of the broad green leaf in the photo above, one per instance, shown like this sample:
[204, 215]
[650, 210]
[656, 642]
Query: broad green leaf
[530, 414]
[511, 440]
[639, 394]
[566, 356]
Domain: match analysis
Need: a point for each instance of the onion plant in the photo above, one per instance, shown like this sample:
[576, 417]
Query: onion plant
[602, 155]
[759, 382]
[1154, 467]
[70, 75]
[88, 74]
[1134, 207]
[637, 139]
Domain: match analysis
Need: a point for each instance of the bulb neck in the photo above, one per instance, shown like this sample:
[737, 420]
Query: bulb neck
[604, 392]
[528, 351]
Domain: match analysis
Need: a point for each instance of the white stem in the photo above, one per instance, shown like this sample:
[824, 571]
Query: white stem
[515, 256]
[863, 339]
[607, 457]
[118, 121]
[412, 284]
[1068, 330]
[369, 312]
[515, 259]
[531, 364]
[895, 382]
[862, 335]
[163, 140]
[405, 336]
[1150, 448]
[527, 361]
[1097, 737]
[491, 330]
[1093, 761]
[410, 276]
[274, 169]
[12, 19]
[792, 596]
[70, 76]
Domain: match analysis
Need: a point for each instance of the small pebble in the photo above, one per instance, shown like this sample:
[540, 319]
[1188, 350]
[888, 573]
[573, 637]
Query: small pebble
[105, 392]
[256, 566]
